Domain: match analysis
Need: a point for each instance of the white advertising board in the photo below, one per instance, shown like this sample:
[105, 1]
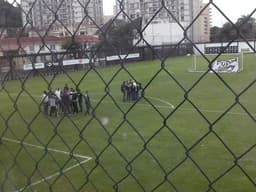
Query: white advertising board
[75, 62]
[27, 67]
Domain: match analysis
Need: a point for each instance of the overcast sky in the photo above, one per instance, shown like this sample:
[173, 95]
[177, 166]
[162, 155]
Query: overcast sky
[232, 8]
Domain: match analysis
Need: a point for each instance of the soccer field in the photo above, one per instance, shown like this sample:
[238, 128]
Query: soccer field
[190, 132]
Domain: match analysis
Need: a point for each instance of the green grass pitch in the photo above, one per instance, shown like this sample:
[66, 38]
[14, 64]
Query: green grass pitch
[167, 141]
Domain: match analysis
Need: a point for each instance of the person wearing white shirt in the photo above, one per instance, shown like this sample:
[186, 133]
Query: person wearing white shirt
[45, 101]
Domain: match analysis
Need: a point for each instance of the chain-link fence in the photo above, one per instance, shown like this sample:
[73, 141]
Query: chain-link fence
[150, 100]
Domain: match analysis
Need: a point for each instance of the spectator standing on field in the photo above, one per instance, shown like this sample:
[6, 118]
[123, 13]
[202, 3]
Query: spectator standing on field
[87, 103]
[123, 90]
[74, 101]
[58, 95]
[53, 104]
[65, 101]
[133, 90]
[44, 100]
[80, 100]
[128, 90]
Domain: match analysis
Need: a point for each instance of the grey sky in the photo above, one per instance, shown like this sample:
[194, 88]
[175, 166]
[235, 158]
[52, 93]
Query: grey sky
[232, 8]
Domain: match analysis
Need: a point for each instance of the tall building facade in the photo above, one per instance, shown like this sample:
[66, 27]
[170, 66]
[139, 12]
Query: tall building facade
[63, 16]
[166, 20]
[202, 26]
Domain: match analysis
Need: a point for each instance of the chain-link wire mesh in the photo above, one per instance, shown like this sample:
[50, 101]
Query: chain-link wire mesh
[177, 131]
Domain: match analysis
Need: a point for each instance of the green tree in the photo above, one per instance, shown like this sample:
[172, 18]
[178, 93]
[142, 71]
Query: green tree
[10, 16]
[116, 35]
[214, 34]
[73, 46]
[245, 26]
[228, 32]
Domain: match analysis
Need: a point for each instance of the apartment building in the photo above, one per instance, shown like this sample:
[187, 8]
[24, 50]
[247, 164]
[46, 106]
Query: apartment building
[166, 20]
[202, 26]
[63, 16]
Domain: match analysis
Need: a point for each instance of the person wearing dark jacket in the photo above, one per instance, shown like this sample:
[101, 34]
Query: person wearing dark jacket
[80, 100]
[65, 101]
[87, 103]
[74, 101]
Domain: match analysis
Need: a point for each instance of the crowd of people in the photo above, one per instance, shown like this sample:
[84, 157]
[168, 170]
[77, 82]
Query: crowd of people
[131, 90]
[73, 101]
[66, 101]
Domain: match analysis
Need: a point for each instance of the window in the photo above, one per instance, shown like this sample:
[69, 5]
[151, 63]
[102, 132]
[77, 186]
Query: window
[32, 59]
[54, 58]
[31, 48]
[43, 58]
[52, 47]
[155, 22]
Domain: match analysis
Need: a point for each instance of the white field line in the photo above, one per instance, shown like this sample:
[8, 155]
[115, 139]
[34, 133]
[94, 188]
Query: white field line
[153, 98]
[139, 104]
[48, 149]
[218, 111]
[85, 159]
[161, 100]
[168, 105]
[54, 175]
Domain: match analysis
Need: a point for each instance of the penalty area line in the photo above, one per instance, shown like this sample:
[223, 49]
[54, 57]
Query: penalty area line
[85, 159]
[163, 101]
[45, 148]
[53, 175]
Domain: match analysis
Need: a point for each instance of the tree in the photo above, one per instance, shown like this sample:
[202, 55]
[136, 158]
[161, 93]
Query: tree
[214, 34]
[116, 35]
[228, 32]
[73, 46]
[244, 27]
[10, 16]
[247, 27]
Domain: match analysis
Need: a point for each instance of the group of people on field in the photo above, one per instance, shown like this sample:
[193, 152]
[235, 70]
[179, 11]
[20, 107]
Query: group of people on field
[131, 90]
[65, 101]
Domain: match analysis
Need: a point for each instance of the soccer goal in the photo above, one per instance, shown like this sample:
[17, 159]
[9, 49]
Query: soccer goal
[224, 63]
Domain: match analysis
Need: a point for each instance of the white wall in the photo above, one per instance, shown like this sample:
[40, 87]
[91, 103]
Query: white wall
[163, 33]
[58, 47]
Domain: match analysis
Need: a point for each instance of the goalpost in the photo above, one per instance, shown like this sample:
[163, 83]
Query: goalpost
[220, 63]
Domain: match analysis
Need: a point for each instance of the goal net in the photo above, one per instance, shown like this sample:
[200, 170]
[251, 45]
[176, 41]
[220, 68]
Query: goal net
[224, 63]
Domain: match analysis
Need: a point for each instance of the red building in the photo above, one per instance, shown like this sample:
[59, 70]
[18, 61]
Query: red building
[24, 50]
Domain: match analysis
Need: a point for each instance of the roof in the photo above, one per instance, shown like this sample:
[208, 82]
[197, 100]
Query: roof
[12, 44]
